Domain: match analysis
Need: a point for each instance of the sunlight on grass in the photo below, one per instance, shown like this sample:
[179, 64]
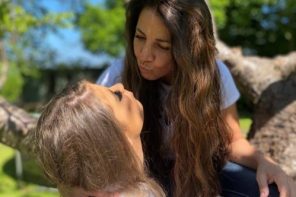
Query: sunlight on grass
[245, 124]
[9, 185]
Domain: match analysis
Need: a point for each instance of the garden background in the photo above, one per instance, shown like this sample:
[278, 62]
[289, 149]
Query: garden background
[46, 44]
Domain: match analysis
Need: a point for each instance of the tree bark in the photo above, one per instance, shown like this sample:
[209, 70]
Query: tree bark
[269, 84]
[15, 124]
[254, 74]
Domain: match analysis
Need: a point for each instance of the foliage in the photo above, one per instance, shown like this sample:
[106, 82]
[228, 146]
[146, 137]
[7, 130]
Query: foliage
[218, 7]
[13, 85]
[102, 28]
[15, 19]
[21, 31]
[258, 26]
[9, 186]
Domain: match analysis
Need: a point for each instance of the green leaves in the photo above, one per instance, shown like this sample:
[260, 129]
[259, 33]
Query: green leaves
[14, 19]
[16, 25]
[257, 25]
[103, 29]
[12, 88]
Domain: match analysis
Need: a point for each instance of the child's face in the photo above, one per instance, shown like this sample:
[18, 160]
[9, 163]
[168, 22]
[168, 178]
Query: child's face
[127, 110]
[152, 46]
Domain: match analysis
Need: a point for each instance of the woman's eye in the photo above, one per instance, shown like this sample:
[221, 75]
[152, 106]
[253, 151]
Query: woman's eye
[118, 94]
[164, 48]
[139, 37]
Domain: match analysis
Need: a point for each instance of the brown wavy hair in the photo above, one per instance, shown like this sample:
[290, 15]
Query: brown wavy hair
[193, 107]
[79, 144]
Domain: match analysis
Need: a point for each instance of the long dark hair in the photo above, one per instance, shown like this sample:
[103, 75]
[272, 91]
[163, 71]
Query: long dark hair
[200, 138]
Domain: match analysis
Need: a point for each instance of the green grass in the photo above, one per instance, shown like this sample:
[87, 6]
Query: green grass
[245, 121]
[245, 124]
[10, 187]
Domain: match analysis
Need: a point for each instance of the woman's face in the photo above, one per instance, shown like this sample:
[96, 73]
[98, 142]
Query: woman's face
[152, 46]
[127, 110]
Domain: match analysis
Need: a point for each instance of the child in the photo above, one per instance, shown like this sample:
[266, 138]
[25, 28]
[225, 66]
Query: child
[88, 143]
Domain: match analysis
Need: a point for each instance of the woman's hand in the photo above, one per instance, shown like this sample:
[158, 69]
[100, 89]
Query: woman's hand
[244, 153]
[269, 172]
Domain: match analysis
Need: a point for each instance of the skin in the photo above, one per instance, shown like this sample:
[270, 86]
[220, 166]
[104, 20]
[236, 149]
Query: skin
[267, 170]
[126, 109]
[152, 48]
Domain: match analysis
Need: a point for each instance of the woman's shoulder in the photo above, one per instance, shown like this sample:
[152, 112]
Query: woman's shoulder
[223, 69]
[230, 93]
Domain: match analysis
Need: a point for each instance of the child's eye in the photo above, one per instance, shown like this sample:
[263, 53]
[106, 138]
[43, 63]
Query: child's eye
[118, 94]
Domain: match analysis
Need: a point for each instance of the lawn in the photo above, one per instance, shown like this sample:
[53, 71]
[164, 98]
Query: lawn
[245, 124]
[245, 121]
[10, 187]
[33, 183]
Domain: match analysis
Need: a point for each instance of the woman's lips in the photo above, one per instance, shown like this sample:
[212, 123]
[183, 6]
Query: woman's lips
[145, 68]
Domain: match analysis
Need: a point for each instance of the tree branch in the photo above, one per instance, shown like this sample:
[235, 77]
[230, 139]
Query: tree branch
[254, 74]
[15, 124]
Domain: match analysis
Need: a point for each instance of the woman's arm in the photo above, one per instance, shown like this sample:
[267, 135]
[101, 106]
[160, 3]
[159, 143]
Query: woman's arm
[244, 153]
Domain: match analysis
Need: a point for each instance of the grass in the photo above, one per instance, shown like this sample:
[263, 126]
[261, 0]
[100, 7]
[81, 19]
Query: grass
[10, 187]
[245, 124]
[245, 121]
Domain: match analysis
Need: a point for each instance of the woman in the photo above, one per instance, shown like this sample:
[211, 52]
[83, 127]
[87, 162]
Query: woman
[191, 126]
[87, 146]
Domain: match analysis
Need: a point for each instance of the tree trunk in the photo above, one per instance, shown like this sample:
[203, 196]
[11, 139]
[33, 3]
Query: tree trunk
[15, 124]
[269, 84]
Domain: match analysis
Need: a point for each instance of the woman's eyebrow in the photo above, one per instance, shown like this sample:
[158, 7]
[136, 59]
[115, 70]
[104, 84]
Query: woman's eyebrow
[158, 39]
[162, 40]
[139, 30]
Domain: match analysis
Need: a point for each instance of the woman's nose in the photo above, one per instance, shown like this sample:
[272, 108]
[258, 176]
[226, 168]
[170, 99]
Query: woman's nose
[146, 53]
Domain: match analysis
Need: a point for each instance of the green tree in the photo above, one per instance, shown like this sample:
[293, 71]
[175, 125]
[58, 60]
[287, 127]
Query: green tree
[260, 25]
[18, 28]
[102, 27]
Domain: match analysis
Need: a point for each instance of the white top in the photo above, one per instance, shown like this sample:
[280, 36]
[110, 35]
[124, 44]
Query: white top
[230, 93]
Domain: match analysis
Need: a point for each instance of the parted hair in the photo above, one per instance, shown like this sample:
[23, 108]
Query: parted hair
[193, 107]
[79, 144]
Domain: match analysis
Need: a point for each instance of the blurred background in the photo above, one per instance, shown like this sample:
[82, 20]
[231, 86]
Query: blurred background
[44, 44]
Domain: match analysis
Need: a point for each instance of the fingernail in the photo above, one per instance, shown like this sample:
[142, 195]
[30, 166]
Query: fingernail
[262, 194]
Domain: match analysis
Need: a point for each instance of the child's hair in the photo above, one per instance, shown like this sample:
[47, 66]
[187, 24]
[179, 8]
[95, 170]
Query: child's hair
[79, 144]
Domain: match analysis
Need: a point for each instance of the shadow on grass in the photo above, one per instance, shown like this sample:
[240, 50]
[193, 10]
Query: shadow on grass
[32, 173]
